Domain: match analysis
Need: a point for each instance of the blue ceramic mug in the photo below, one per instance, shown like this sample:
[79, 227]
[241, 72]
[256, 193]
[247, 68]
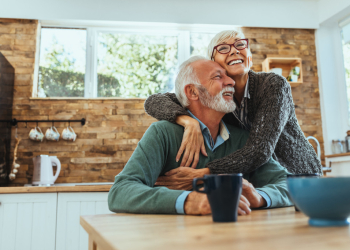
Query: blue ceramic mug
[223, 192]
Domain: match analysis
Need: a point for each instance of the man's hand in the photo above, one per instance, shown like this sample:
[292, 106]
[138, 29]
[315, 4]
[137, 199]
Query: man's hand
[243, 207]
[254, 198]
[197, 203]
[181, 178]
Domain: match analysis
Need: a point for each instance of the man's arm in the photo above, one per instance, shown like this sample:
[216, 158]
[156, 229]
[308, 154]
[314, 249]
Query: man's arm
[133, 189]
[271, 179]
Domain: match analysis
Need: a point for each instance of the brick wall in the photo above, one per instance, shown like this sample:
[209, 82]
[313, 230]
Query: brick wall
[114, 126]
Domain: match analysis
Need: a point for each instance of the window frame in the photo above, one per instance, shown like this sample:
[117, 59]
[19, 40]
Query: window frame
[182, 31]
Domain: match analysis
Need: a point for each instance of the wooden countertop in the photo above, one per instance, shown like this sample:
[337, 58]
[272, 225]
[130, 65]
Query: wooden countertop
[281, 228]
[53, 189]
[338, 155]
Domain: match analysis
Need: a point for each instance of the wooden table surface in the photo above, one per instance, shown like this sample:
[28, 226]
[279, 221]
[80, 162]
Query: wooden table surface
[279, 229]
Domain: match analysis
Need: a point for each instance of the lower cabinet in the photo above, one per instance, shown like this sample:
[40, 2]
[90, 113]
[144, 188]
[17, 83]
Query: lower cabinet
[70, 235]
[28, 221]
[47, 221]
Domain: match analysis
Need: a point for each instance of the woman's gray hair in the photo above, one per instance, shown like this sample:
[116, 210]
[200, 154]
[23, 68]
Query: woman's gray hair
[221, 37]
[186, 75]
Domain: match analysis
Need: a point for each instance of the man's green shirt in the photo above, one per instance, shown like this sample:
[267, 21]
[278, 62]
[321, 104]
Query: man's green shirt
[133, 190]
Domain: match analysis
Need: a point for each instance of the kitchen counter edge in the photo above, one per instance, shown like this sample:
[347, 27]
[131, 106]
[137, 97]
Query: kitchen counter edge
[88, 188]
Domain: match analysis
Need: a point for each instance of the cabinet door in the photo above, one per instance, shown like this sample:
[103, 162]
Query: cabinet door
[70, 235]
[28, 221]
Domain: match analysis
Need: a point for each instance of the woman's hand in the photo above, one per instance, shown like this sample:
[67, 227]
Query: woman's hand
[192, 142]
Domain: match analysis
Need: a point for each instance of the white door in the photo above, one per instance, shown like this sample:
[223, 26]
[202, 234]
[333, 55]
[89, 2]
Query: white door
[28, 221]
[70, 235]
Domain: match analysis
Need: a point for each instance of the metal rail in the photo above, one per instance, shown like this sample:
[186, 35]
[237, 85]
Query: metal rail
[14, 121]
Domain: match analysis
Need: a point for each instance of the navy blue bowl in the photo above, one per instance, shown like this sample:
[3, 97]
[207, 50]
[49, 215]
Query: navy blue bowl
[325, 200]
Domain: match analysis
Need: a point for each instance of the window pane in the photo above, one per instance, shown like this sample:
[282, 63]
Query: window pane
[62, 63]
[134, 65]
[346, 51]
[199, 43]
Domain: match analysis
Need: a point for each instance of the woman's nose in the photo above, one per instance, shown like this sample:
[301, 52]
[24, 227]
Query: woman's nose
[234, 51]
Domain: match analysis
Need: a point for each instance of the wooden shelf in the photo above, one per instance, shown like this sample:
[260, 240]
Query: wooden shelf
[338, 155]
[286, 64]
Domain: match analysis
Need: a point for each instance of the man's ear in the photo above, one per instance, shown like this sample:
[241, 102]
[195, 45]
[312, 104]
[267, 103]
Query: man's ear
[191, 92]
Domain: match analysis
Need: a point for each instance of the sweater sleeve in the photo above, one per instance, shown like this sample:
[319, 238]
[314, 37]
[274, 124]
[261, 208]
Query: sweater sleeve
[270, 119]
[133, 190]
[164, 107]
[271, 178]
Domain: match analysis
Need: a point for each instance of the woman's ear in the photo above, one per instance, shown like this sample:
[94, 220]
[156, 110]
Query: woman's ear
[250, 60]
[191, 92]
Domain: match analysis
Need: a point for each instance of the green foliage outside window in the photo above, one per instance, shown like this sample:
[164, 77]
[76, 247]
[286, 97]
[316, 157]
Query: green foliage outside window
[129, 65]
[143, 65]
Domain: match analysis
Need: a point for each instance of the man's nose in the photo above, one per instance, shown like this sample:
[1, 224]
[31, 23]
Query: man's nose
[229, 81]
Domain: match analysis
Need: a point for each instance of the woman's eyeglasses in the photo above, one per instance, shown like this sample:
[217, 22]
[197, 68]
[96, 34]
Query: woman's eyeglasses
[226, 48]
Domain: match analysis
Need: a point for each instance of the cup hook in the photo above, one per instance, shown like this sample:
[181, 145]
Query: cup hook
[37, 124]
[53, 123]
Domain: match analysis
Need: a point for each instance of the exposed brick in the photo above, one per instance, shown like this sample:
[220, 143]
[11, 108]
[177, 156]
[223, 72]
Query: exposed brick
[114, 127]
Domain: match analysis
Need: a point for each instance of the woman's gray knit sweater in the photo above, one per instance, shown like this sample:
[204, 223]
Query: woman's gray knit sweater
[275, 130]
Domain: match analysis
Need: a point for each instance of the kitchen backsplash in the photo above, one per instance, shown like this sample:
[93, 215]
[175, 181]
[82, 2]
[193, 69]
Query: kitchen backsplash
[114, 126]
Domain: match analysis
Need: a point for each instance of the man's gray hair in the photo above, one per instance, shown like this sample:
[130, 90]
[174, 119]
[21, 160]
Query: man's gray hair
[186, 75]
[221, 37]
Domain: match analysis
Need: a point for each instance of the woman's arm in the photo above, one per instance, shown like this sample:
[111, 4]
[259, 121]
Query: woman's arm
[164, 107]
[270, 119]
[167, 107]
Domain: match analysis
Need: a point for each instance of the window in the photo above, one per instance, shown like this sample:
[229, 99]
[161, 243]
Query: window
[346, 53]
[200, 42]
[135, 65]
[128, 62]
[62, 63]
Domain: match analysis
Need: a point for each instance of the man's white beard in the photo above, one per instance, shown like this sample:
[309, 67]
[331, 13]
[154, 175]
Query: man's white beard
[217, 102]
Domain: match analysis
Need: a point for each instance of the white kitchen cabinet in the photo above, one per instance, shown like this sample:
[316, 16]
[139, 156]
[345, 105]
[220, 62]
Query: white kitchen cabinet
[70, 235]
[28, 221]
[339, 164]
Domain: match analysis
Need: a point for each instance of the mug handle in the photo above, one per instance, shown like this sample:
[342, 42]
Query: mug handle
[37, 128]
[195, 187]
[70, 129]
[54, 129]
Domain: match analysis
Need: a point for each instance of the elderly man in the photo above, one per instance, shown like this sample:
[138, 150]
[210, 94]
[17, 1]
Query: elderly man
[203, 87]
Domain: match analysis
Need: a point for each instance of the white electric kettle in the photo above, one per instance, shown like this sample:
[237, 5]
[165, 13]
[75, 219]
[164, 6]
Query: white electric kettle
[43, 171]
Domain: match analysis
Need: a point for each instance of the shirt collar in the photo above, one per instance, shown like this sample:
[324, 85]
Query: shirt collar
[224, 133]
[246, 90]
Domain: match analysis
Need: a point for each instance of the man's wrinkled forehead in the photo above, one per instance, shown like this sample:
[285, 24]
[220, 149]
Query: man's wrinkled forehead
[206, 69]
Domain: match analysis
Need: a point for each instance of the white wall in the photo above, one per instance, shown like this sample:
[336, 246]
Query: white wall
[252, 13]
[328, 9]
[331, 72]
[332, 84]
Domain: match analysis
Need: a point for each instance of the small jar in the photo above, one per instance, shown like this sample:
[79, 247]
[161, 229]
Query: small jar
[343, 147]
[347, 141]
[337, 147]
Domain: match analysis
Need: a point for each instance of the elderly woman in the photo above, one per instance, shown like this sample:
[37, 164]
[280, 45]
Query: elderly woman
[265, 108]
